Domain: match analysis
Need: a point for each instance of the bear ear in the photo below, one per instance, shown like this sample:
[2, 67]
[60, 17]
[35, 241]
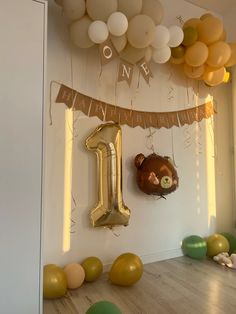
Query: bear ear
[139, 160]
[170, 160]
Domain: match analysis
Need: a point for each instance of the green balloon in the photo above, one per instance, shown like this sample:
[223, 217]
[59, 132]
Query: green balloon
[232, 241]
[93, 268]
[190, 36]
[194, 247]
[178, 52]
[103, 307]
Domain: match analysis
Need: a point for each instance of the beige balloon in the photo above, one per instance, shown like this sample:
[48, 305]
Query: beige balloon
[130, 8]
[131, 54]
[141, 31]
[232, 59]
[219, 54]
[194, 72]
[197, 54]
[210, 30]
[191, 23]
[74, 9]
[101, 9]
[75, 275]
[79, 32]
[153, 9]
[119, 42]
[213, 76]
[148, 54]
[177, 60]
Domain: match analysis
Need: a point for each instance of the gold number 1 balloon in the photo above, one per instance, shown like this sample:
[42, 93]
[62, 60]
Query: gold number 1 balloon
[110, 209]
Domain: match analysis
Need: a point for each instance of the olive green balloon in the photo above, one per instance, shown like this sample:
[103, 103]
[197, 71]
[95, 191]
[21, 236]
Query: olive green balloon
[177, 52]
[54, 282]
[190, 36]
[194, 247]
[232, 241]
[93, 268]
[216, 244]
[103, 307]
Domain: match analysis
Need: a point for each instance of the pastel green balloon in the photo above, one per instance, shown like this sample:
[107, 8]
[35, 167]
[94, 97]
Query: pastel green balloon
[93, 268]
[194, 247]
[177, 52]
[103, 307]
[190, 36]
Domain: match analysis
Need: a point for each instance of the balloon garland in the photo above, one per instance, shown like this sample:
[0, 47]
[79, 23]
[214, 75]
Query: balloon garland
[135, 30]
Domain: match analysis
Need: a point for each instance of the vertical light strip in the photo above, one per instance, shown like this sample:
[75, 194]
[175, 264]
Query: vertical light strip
[67, 178]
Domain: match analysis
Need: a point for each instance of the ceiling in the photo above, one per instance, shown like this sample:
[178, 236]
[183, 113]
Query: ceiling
[220, 6]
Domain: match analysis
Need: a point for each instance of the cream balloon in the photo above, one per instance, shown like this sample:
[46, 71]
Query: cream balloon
[154, 9]
[148, 54]
[75, 275]
[192, 23]
[161, 37]
[119, 42]
[210, 30]
[176, 36]
[74, 9]
[161, 55]
[194, 72]
[131, 54]
[101, 9]
[219, 54]
[141, 31]
[213, 76]
[98, 32]
[79, 32]
[130, 8]
[117, 24]
[197, 54]
[232, 59]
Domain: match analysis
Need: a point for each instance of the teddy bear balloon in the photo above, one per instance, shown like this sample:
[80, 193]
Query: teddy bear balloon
[156, 175]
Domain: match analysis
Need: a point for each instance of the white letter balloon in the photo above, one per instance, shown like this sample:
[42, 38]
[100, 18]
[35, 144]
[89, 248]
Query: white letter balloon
[98, 32]
[117, 24]
[176, 36]
[162, 36]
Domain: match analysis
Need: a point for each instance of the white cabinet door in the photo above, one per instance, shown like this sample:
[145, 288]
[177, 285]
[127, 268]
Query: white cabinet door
[22, 54]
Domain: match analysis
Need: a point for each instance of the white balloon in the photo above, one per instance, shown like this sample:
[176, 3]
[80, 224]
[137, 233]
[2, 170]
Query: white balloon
[161, 55]
[98, 32]
[176, 36]
[73, 9]
[162, 36]
[117, 24]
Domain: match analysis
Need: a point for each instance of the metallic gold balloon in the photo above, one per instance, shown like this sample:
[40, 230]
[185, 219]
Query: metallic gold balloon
[93, 268]
[54, 282]
[110, 209]
[216, 244]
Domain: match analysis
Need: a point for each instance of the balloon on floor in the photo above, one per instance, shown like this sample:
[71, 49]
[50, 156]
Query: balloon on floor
[194, 247]
[103, 307]
[54, 282]
[93, 268]
[216, 244]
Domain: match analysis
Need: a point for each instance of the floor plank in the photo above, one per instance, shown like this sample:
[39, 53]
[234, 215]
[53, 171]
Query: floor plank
[176, 286]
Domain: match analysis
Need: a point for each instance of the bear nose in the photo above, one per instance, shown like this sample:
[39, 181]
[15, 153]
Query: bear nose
[166, 179]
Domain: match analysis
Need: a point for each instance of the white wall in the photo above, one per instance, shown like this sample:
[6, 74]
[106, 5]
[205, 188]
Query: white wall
[156, 226]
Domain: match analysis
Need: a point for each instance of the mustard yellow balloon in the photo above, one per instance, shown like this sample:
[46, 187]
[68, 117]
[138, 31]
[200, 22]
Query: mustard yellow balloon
[130, 8]
[216, 244]
[75, 275]
[119, 42]
[194, 72]
[93, 268]
[126, 270]
[141, 31]
[190, 36]
[232, 59]
[213, 76]
[101, 9]
[197, 54]
[223, 36]
[131, 54]
[178, 52]
[79, 32]
[177, 60]
[204, 16]
[219, 54]
[54, 282]
[154, 9]
[210, 30]
[191, 23]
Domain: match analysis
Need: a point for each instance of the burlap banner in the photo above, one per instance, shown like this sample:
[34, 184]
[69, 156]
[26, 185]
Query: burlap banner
[106, 112]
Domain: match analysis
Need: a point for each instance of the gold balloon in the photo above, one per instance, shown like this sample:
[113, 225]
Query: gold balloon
[232, 59]
[110, 210]
[79, 32]
[131, 54]
[197, 54]
[190, 36]
[216, 244]
[219, 54]
[213, 76]
[194, 72]
[177, 60]
[178, 52]
[223, 36]
[93, 268]
[130, 8]
[210, 30]
[204, 16]
[154, 9]
[192, 23]
[54, 282]
[119, 42]
[74, 275]
[101, 9]
[126, 270]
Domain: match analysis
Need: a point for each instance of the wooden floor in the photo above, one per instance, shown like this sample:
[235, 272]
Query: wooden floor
[179, 285]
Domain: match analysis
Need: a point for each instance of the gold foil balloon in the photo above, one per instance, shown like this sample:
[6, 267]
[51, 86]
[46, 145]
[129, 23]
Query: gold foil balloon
[93, 268]
[232, 59]
[73, 9]
[192, 23]
[190, 36]
[154, 9]
[210, 30]
[126, 270]
[54, 282]
[196, 54]
[141, 31]
[101, 9]
[110, 210]
[219, 54]
[213, 76]
[194, 72]
[79, 32]
[74, 275]
[216, 244]
[130, 8]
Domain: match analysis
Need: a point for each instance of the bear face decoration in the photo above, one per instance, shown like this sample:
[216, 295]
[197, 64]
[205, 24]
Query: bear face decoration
[156, 175]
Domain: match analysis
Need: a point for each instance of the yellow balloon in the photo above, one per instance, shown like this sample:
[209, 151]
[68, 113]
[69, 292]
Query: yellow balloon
[126, 270]
[216, 244]
[130, 8]
[93, 268]
[54, 282]
[219, 54]
[154, 9]
[101, 9]
[79, 32]
[204, 16]
[223, 36]
[210, 30]
[74, 275]
[213, 76]
[197, 54]
[192, 23]
[194, 72]
[232, 59]
[119, 42]
[131, 54]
